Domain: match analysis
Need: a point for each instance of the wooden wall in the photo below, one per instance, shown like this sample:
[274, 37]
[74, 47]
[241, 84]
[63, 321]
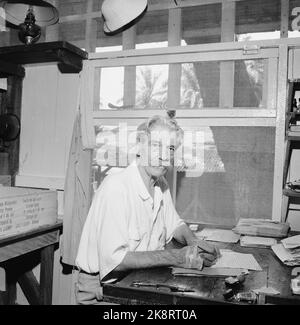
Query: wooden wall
[81, 22]
[49, 103]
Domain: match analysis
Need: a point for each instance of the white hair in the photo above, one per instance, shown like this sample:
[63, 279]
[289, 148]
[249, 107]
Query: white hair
[157, 120]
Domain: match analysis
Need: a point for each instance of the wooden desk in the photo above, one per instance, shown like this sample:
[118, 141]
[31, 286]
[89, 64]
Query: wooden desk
[208, 290]
[19, 254]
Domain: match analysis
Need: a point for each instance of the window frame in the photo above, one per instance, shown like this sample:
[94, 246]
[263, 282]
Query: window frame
[276, 51]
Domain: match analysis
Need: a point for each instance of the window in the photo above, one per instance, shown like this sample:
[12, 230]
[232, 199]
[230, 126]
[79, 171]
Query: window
[228, 94]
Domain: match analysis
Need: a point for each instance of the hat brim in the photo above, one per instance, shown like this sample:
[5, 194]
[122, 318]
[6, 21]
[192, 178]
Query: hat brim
[110, 32]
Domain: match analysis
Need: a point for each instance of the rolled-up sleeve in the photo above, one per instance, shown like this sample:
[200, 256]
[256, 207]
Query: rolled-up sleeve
[171, 217]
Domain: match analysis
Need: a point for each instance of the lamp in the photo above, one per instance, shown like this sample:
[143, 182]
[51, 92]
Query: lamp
[30, 16]
[119, 15]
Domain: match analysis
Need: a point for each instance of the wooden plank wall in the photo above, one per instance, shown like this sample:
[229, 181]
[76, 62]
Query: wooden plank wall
[47, 122]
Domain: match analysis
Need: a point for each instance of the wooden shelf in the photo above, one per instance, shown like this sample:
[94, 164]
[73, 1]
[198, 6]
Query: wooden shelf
[68, 56]
[291, 193]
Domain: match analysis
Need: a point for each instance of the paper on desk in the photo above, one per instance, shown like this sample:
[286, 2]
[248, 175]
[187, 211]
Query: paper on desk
[255, 241]
[285, 255]
[231, 259]
[266, 290]
[220, 235]
[291, 242]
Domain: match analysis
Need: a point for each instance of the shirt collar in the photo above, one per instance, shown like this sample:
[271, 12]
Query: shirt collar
[141, 187]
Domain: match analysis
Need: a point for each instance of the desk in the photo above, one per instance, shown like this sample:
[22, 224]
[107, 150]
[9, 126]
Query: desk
[19, 254]
[208, 290]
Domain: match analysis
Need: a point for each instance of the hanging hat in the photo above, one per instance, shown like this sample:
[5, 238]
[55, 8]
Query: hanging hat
[119, 15]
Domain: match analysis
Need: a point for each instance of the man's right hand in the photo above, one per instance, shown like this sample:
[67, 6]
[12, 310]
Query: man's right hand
[195, 258]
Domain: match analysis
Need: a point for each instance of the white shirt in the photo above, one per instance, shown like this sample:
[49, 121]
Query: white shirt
[123, 217]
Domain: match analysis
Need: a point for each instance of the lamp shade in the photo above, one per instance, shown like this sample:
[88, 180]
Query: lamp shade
[119, 15]
[16, 10]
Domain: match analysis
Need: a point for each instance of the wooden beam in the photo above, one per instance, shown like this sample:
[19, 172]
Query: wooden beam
[14, 104]
[68, 62]
[280, 133]
[46, 275]
[97, 85]
[271, 83]
[30, 287]
[226, 90]
[171, 4]
[174, 79]
[128, 42]
[174, 39]
[3, 298]
[52, 32]
[90, 29]
[11, 276]
[284, 14]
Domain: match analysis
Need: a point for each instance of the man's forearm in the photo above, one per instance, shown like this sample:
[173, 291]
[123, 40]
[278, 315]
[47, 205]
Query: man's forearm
[148, 259]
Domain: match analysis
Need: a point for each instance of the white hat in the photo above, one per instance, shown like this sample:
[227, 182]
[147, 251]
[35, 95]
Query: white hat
[119, 15]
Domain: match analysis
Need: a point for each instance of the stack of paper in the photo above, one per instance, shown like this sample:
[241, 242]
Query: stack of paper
[219, 235]
[284, 255]
[292, 242]
[262, 227]
[288, 251]
[254, 241]
[295, 128]
[231, 259]
[229, 263]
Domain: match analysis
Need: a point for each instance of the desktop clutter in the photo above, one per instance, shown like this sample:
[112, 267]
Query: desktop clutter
[235, 266]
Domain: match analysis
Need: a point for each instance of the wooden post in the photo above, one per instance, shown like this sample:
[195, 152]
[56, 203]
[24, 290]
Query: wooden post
[284, 18]
[52, 32]
[46, 275]
[30, 287]
[174, 38]
[128, 42]
[280, 133]
[11, 288]
[90, 29]
[174, 82]
[14, 102]
[227, 68]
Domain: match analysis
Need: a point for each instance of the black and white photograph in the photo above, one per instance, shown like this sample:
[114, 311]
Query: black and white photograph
[149, 156]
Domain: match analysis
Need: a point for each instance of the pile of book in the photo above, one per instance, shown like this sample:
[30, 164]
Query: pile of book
[262, 227]
[288, 250]
[295, 128]
[257, 241]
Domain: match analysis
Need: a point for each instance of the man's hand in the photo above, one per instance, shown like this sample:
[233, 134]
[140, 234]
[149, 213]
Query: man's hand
[208, 248]
[194, 257]
[205, 247]
[205, 251]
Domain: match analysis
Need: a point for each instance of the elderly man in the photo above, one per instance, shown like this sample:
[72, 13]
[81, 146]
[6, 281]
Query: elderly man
[132, 218]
